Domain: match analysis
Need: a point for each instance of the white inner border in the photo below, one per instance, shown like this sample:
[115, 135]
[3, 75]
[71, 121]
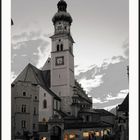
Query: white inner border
[6, 69]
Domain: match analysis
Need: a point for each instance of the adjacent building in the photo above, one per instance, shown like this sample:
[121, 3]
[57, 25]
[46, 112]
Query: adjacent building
[122, 120]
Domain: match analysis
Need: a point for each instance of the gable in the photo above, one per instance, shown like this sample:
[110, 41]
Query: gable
[35, 76]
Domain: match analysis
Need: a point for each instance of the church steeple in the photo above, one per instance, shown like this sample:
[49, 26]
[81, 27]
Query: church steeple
[62, 19]
[62, 58]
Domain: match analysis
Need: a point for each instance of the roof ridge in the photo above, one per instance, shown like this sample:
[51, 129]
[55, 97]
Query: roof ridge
[26, 72]
[35, 74]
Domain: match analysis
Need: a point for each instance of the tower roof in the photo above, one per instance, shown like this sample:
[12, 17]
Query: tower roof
[62, 13]
[62, 5]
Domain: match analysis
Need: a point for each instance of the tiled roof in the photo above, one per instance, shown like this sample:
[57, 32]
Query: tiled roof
[82, 93]
[103, 112]
[36, 76]
[88, 111]
[80, 125]
[63, 114]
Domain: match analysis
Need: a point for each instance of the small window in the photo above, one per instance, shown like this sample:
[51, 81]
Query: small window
[57, 105]
[23, 108]
[35, 111]
[35, 97]
[45, 104]
[44, 120]
[87, 118]
[33, 126]
[44, 94]
[23, 124]
[65, 27]
[57, 47]
[61, 47]
[69, 113]
[24, 93]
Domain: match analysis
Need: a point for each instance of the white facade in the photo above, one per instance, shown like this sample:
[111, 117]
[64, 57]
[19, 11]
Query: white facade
[62, 65]
[45, 112]
[25, 112]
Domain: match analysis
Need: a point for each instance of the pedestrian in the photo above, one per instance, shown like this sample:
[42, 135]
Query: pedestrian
[93, 136]
[89, 137]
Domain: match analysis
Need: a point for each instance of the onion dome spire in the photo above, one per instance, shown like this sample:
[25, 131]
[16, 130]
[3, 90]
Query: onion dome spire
[62, 6]
[62, 13]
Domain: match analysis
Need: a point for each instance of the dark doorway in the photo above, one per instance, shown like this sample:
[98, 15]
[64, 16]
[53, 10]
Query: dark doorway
[56, 133]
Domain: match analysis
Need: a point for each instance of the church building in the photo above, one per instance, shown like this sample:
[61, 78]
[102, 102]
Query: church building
[50, 102]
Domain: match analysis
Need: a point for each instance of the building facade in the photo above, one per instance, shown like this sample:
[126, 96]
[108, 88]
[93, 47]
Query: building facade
[50, 102]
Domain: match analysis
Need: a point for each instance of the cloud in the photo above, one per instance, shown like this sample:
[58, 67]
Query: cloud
[97, 100]
[110, 101]
[107, 84]
[86, 72]
[109, 108]
[125, 46]
[13, 76]
[88, 84]
[105, 104]
[114, 79]
[119, 96]
[26, 35]
[28, 48]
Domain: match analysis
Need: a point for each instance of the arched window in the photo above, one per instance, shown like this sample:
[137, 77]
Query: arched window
[57, 47]
[61, 47]
[45, 104]
[24, 93]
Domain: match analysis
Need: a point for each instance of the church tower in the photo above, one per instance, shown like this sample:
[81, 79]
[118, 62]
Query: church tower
[62, 64]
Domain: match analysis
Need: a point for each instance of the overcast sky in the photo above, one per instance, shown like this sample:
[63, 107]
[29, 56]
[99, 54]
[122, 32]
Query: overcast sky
[100, 29]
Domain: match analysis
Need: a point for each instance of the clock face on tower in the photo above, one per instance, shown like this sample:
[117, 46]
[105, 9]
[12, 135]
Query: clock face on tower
[59, 60]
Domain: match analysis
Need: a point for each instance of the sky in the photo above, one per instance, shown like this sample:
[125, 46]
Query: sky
[100, 30]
